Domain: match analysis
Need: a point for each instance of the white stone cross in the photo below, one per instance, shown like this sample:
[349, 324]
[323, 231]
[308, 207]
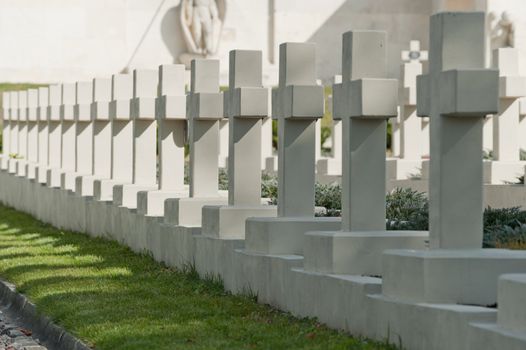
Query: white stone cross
[506, 144]
[366, 100]
[67, 120]
[414, 54]
[13, 124]
[297, 104]
[247, 106]
[171, 118]
[121, 129]
[204, 111]
[6, 129]
[411, 134]
[170, 113]
[144, 127]
[32, 133]
[22, 133]
[101, 128]
[50, 135]
[457, 93]
[83, 128]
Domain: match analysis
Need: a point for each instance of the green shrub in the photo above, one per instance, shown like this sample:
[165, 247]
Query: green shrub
[504, 227]
[407, 209]
[269, 187]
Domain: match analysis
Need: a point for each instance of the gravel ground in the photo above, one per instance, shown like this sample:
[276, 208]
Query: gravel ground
[13, 336]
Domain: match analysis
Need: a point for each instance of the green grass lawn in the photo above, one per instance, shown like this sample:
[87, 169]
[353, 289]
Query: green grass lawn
[113, 298]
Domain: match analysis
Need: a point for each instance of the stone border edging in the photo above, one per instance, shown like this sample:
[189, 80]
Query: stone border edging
[49, 334]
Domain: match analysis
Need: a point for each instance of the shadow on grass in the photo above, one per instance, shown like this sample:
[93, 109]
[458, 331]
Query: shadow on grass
[113, 298]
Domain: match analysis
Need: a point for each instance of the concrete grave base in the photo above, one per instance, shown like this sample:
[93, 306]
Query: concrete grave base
[490, 336]
[178, 245]
[509, 332]
[98, 222]
[126, 194]
[356, 253]
[424, 325]
[53, 177]
[84, 185]
[229, 221]
[265, 276]
[187, 211]
[271, 165]
[68, 180]
[329, 166]
[448, 276]
[103, 189]
[501, 172]
[216, 257]
[340, 301]
[152, 202]
[12, 166]
[30, 171]
[21, 168]
[402, 169]
[284, 235]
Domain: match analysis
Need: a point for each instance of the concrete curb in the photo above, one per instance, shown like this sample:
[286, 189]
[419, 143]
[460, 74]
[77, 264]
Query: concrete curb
[49, 334]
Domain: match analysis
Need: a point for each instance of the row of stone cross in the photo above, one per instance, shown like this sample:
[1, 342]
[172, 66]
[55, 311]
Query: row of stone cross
[107, 129]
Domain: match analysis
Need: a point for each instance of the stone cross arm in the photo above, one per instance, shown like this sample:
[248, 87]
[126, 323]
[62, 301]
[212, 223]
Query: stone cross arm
[145, 87]
[364, 91]
[171, 100]
[204, 101]
[414, 54]
[101, 99]
[246, 97]
[83, 97]
[298, 95]
[462, 92]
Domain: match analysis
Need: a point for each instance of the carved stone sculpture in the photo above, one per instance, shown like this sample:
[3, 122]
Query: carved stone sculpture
[201, 26]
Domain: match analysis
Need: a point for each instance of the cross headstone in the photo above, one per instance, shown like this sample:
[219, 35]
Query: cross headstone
[171, 118]
[121, 129]
[247, 106]
[204, 111]
[83, 128]
[67, 120]
[336, 127]
[13, 123]
[456, 94]
[32, 133]
[414, 54]
[101, 128]
[367, 101]
[522, 123]
[298, 103]
[50, 134]
[506, 146]
[223, 142]
[22, 132]
[144, 127]
[43, 134]
[6, 129]
[411, 135]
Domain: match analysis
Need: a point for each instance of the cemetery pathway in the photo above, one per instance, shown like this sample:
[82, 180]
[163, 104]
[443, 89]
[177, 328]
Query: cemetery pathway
[13, 334]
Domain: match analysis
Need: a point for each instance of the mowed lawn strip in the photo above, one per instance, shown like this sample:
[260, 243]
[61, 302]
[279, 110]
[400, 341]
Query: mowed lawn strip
[112, 298]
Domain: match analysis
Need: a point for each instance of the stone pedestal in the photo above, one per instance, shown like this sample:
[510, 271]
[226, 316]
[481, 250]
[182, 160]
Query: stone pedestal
[509, 331]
